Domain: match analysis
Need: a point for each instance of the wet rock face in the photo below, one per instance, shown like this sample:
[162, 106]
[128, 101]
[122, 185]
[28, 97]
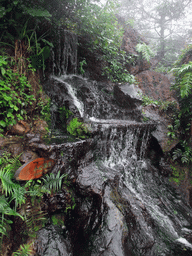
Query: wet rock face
[94, 99]
[50, 241]
[110, 218]
[57, 202]
[127, 96]
[162, 120]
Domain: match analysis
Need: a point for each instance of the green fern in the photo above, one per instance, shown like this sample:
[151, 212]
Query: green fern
[183, 76]
[5, 208]
[8, 162]
[145, 50]
[185, 68]
[24, 250]
[53, 182]
[26, 199]
[186, 84]
[8, 186]
[33, 216]
[18, 196]
[5, 211]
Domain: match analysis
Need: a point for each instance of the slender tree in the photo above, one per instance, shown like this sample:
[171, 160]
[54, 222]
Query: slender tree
[158, 20]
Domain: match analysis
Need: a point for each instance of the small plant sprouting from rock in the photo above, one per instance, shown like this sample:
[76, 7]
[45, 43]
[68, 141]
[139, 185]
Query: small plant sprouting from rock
[163, 105]
[81, 64]
[24, 250]
[78, 129]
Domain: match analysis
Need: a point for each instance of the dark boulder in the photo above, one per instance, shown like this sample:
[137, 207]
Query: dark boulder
[50, 241]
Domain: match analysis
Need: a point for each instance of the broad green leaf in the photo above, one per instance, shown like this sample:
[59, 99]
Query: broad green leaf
[2, 123]
[3, 71]
[38, 12]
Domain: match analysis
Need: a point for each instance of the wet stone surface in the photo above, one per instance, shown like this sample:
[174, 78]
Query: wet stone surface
[50, 241]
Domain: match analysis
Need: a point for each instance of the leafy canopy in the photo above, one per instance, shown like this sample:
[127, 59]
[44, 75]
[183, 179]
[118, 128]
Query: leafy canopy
[92, 20]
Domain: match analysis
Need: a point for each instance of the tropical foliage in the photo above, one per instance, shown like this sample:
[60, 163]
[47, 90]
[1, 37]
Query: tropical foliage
[145, 51]
[15, 94]
[92, 20]
[181, 127]
[23, 201]
[78, 129]
[19, 100]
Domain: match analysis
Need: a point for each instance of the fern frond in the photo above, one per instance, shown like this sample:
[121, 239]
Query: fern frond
[24, 250]
[186, 85]
[19, 195]
[53, 182]
[145, 50]
[33, 216]
[5, 208]
[7, 184]
[185, 68]
[3, 230]
[35, 191]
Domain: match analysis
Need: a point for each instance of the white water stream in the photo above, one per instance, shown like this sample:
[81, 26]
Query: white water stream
[118, 150]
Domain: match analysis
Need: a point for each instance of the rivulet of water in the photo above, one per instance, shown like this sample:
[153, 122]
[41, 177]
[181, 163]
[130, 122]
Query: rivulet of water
[161, 216]
[120, 149]
[72, 93]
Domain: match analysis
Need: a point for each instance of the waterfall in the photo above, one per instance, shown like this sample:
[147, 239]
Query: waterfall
[64, 55]
[150, 217]
[72, 92]
[121, 151]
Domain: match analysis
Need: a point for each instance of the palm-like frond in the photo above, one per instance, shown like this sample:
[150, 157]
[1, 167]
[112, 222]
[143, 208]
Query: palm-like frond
[33, 215]
[24, 250]
[19, 196]
[5, 208]
[8, 186]
[53, 182]
[186, 84]
[3, 230]
[145, 50]
[185, 68]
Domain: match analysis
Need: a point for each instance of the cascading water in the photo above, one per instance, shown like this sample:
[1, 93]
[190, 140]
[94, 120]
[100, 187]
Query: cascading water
[64, 55]
[159, 212]
[144, 216]
[79, 105]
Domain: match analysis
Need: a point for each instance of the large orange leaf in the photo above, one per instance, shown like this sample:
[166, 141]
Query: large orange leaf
[34, 169]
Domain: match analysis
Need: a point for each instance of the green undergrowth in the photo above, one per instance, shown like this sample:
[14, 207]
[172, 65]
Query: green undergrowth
[182, 118]
[78, 129]
[145, 51]
[163, 105]
[178, 174]
[181, 128]
[21, 202]
[58, 220]
[15, 95]
[24, 250]
[19, 98]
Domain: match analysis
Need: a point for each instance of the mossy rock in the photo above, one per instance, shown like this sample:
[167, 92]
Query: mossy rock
[78, 129]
